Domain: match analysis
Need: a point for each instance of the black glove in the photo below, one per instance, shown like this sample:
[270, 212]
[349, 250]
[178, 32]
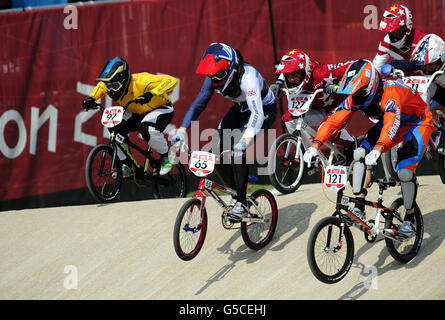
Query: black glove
[145, 98]
[330, 88]
[276, 90]
[88, 103]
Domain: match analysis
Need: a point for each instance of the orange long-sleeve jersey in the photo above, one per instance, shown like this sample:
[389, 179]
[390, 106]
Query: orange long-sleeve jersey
[400, 106]
[141, 83]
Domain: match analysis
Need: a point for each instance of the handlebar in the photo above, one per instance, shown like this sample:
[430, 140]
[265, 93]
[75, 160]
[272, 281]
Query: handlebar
[400, 74]
[102, 108]
[181, 146]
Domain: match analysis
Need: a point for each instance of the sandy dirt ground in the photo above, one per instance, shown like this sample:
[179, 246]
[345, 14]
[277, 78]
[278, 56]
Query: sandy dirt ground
[125, 251]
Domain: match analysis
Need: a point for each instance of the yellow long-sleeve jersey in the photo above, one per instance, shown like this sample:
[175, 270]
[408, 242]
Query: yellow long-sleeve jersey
[141, 83]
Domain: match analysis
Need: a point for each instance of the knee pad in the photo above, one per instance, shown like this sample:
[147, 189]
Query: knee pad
[409, 187]
[359, 153]
[405, 175]
[358, 171]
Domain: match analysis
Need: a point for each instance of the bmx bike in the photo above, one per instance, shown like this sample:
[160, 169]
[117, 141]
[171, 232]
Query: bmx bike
[103, 170]
[257, 227]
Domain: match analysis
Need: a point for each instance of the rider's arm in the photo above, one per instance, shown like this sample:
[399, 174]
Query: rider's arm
[334, 122]
[404, 65]
[252, 88]
[390, 105]
[99, 91]
[159, 84]
[380, 59]
[199, 104]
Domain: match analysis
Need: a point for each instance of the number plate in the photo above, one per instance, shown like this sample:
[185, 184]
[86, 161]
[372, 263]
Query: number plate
[335, 177]
[202, 163]
[297, 104]
[112, 116]
[418, 83]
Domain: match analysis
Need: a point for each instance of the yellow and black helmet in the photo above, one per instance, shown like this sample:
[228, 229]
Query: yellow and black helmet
[116, 76]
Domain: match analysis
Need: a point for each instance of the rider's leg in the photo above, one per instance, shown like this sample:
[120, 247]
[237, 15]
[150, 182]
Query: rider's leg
[409, 155]
[129, 123]
[361, 176]
[408, 183]
[222, 140]
[415, 141]
[290, 122]
[152, 127]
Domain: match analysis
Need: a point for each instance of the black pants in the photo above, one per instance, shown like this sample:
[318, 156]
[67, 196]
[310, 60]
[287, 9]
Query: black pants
[236, 175]
[154, 122]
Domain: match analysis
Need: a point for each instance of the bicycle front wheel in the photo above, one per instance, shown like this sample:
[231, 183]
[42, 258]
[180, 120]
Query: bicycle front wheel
[190, 229]
[404, 251]
[103, 173]
[257, 235]
[285, 164]
[330, 260]
[173, 184]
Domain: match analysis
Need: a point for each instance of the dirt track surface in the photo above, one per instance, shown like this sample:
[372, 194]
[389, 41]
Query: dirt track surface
[125, 251]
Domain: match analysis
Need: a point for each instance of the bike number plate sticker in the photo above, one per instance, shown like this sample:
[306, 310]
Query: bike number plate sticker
[335, 177]
[202, 163]
[297, 104]
[112, 116]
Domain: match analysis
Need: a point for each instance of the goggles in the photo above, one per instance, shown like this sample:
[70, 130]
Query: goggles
[113, 86]
[220, 75]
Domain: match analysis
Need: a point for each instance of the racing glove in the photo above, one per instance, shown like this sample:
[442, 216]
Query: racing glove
[145, 98]
[330, 88]
[276, 89]
[386, 69]
[179, 137]
[372, 157]
[89, 103]
[239, 149]
[309, 154]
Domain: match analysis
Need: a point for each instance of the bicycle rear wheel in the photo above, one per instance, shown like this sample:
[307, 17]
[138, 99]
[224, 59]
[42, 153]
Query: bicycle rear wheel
[404, 251]
[285, 164]
[173, 184]
[257, 235]
[190, 229]
[103, 174]
[328, 259]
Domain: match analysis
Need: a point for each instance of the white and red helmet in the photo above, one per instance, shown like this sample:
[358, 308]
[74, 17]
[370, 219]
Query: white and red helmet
[293, 61]
[430, 49]
[394, 17]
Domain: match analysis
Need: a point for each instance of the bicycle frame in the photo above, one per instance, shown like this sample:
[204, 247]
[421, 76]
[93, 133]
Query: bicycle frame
[207, 185]
[307, 134]
[343, 204]
[120, 141]
[365, 225]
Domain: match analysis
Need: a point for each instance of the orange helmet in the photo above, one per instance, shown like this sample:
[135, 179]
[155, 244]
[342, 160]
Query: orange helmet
[361, 81]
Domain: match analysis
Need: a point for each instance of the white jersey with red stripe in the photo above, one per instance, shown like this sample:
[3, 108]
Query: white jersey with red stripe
[388, 51]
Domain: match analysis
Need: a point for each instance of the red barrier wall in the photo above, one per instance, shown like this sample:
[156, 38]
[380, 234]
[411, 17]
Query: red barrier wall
[45, 68]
